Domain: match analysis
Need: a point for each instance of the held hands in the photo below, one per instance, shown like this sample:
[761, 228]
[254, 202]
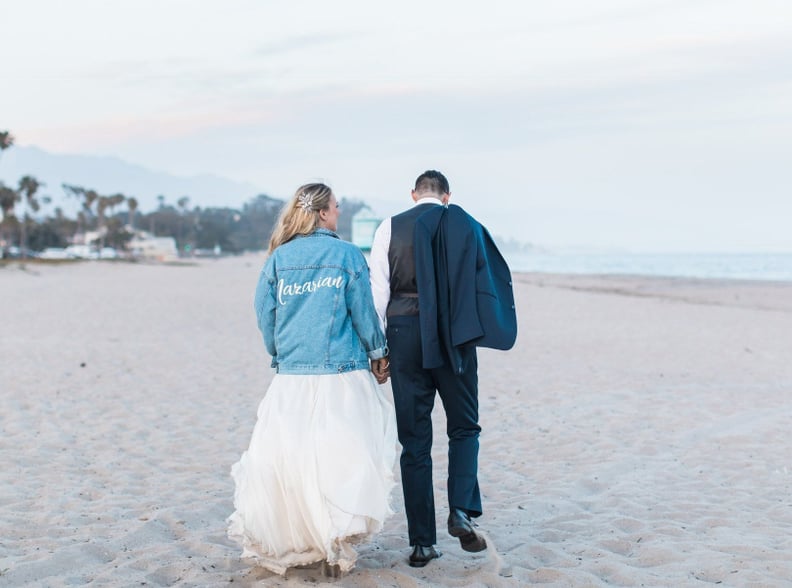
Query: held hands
[381, 369]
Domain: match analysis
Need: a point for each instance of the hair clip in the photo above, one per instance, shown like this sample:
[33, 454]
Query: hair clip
[305, 201]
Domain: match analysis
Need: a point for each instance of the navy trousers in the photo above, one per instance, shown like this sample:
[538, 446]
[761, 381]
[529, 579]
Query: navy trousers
[414, 391]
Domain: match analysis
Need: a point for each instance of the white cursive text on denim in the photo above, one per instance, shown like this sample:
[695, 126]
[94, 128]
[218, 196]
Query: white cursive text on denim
[297, 289]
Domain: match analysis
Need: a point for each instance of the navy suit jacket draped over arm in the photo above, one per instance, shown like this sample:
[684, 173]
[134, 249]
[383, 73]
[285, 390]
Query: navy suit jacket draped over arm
[465, 294]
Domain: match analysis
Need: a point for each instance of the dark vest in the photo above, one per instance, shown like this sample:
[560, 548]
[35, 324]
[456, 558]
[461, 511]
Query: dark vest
[403, 286]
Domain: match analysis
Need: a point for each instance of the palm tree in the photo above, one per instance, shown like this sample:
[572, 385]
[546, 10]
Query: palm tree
[155, 215]
[113, 201]
[28, 186]
[73, 191]
[102, 203]
[8, 199]
[183, 204]
[89, 197]
[132, 205]
[6, 140]
[76, 192]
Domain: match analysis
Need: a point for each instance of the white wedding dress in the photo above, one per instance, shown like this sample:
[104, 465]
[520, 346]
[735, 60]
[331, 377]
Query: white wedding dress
[318, 473]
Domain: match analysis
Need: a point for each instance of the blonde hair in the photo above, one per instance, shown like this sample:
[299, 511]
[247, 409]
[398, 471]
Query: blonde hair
[300, 216]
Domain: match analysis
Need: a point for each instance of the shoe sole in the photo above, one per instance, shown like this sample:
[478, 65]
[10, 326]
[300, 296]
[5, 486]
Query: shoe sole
[459, 531]
[468, 540]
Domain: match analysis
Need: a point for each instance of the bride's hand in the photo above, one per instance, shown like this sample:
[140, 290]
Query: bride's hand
[381, 369]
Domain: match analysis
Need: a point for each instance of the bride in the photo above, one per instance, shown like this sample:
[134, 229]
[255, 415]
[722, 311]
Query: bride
[317, 475]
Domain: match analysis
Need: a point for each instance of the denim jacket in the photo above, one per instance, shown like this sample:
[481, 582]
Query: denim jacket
[314, 307]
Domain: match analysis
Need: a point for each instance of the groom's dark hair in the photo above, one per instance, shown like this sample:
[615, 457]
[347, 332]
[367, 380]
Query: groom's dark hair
[432, 181]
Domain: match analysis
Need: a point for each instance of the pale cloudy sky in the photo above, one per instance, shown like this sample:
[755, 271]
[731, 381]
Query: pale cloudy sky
[635, 124]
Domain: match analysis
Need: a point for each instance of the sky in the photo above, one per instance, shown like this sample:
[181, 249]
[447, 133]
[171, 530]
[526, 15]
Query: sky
[636, 125]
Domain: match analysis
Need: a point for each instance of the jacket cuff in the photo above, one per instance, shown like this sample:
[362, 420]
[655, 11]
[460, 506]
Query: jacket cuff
[378, 353]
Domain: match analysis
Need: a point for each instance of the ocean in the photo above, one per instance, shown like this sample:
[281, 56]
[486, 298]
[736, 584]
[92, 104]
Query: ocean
[738, 266]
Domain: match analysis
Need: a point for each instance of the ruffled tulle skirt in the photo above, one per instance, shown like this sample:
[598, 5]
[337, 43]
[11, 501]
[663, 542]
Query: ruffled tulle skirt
[318, 473]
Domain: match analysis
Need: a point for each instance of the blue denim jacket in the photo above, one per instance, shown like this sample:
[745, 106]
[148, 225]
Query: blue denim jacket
[314, 307]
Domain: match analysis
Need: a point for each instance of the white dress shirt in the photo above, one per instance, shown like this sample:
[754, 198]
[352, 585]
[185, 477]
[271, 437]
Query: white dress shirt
[379, 265]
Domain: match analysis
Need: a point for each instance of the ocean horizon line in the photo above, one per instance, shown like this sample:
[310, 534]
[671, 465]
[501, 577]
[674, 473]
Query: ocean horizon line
[737, 266]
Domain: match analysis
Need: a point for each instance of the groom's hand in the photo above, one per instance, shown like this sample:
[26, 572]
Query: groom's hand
[381, 369]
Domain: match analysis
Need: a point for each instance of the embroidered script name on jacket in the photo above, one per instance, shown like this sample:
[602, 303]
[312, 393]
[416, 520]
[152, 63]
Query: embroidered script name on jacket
[298, 289]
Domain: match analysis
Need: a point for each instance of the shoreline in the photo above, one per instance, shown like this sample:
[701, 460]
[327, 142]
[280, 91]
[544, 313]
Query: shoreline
[685, 280]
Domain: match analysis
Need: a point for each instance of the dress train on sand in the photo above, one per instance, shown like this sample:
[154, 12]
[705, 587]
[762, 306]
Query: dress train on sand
[318, 473]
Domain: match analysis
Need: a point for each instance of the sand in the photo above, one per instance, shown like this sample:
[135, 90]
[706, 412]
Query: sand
[637, 435]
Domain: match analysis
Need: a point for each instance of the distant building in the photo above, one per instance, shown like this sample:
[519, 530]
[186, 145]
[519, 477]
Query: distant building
[88, 237]
[146, 246]
[364, 223]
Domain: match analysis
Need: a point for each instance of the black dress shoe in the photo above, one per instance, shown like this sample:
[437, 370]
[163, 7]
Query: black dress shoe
[422, 555]
[461, 527]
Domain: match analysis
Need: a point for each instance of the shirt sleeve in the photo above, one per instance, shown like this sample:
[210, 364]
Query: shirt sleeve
[380, 270]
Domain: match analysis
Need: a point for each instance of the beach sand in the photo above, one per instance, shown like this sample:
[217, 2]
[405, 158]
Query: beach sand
[637, 435]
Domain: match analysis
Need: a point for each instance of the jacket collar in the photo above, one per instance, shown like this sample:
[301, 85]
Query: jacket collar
[319, 231]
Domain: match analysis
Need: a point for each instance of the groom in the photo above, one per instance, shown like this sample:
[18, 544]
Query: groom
[427, 267]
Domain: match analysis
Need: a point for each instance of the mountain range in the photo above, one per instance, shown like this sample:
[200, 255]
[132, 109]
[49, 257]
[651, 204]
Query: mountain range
[111, 175]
